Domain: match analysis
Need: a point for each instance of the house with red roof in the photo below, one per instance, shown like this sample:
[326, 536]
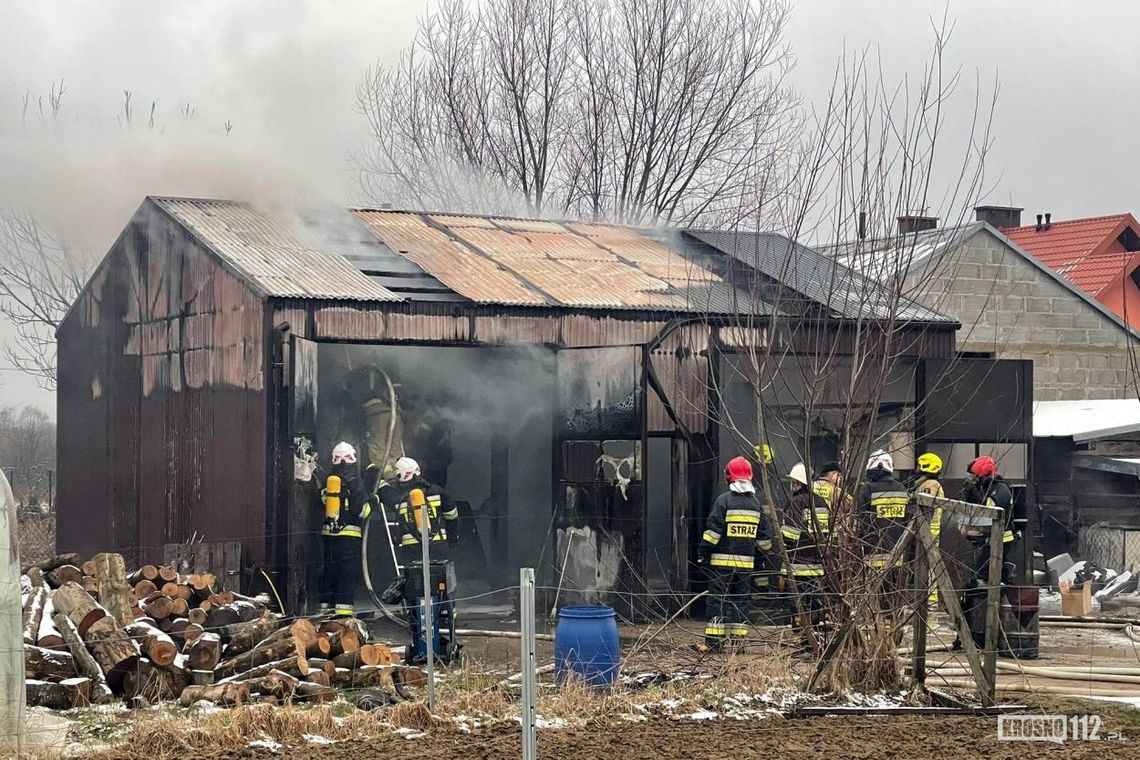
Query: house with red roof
[1100, 255]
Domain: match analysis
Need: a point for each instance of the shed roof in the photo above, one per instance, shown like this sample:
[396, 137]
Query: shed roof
[1080, 249]
[1086, 420]
[273, 259]
[819, 278]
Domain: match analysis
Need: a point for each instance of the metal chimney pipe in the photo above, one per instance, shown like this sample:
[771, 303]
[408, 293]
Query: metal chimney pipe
[1048, 221]
[1039, 225]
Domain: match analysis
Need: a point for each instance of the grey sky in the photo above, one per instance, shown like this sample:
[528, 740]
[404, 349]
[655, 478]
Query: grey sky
[284, 72]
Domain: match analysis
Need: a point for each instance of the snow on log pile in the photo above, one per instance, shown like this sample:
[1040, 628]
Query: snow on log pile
[94, 633]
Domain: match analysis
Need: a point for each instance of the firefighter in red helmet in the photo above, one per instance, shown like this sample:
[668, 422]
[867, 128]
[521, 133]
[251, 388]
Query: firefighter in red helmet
[736, 529]
[986, 487]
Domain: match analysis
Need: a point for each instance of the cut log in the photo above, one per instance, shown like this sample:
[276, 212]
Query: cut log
[314, 692]
[202, 677]
[343, 642]
[410, 676]
[69, 558]
[276, 682]
[379, 677]
[155, 684]
[226, 614]
[197, 616]
[144, 588]
[317, 663]
[170, 589]
[319, 677]
[167, 573]
[247, 611]
[115, 653]
[294, 666]
[205, 652]
[249, 635]
[34, 614]
[48, 665]
[88, 567]
[85, 664]
[65, 695]
[63, 575]
[178, 629]
[90, 585]
[226, 597]
[322, 647]
[179, 607]
[229, 694]
[158, 647]
[114, 591]
[369, 654]
[159, 607]
[192, 632]
[259, 655]
[49, 636]
[79, 607]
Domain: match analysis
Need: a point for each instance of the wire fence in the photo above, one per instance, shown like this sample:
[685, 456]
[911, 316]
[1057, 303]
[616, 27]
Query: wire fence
[36, 537]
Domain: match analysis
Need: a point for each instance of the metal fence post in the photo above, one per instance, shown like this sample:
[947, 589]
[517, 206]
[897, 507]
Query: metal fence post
[526, 629]
[429, 622]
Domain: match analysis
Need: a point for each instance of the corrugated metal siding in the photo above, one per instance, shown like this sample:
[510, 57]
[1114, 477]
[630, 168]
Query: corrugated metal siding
[180, 340]
[273, 258]
[681, 365]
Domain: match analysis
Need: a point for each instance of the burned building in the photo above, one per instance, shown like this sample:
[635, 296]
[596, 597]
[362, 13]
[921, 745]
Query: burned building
[568, 382]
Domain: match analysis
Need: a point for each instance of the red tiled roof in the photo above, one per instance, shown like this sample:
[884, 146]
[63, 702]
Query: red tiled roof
[1078, 249]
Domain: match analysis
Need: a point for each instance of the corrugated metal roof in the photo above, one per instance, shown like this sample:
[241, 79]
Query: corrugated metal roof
[525, 261]
[273, 260]
[822, 280]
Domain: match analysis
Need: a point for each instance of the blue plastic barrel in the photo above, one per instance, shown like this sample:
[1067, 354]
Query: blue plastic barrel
[586, 645]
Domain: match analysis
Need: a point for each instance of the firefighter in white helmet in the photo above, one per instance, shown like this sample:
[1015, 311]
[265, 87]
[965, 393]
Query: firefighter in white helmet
[884, 510]
[347, 504]
[807, 536]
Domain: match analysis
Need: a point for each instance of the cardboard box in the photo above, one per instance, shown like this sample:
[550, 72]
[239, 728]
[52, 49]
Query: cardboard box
[1076, 601]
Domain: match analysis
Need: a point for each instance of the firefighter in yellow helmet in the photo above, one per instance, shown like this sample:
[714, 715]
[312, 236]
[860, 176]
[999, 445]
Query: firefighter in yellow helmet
[928, 481]
[347, 504]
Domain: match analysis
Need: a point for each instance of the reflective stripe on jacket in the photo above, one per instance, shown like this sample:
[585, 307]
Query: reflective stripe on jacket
[736, 529]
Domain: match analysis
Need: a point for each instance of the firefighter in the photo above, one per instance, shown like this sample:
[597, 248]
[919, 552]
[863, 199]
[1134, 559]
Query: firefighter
[883, 512]
[347, 505]
[928, 481]
[442, 513]
[986, 487]
[736, 529]
[811, 513]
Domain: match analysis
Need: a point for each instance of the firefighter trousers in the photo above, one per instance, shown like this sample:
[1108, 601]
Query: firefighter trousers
[727, 607]
[340, 574]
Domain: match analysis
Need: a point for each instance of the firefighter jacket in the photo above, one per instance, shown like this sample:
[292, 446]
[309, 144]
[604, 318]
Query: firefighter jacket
[442, 512]
[809, 530]
[736, 529]
[931, 485]
[356, 503]
[883, 511]
[993, 492]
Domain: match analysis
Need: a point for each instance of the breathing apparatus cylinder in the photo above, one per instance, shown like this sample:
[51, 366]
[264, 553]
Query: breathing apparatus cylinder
[332, 498]
[418, 502]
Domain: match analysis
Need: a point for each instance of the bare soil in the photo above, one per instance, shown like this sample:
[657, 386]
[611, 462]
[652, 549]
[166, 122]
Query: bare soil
[946, 738]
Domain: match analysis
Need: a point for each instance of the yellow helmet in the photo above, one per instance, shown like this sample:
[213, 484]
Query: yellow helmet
[930, 463]
[763, 453]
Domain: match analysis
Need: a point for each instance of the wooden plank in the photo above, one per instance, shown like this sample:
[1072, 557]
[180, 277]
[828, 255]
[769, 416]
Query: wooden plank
[993, 600]
[921, 594]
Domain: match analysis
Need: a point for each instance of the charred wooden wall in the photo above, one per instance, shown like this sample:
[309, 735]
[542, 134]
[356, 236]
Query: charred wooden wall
[162, 412]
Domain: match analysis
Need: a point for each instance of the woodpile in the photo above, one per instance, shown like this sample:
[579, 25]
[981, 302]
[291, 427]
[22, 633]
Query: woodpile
[94, 633]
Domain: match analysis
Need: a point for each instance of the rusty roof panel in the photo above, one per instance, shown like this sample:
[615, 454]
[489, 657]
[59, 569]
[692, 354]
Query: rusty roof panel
[530, 225]
[268, 256]
[455, 265]
[456, 220]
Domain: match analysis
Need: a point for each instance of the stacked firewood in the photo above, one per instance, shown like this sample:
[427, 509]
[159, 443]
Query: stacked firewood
[94, 633]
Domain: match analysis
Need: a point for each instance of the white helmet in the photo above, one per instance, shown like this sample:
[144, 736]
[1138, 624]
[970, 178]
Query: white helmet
[881, 460]
[406, 469]
[344, 452]
[799, 473]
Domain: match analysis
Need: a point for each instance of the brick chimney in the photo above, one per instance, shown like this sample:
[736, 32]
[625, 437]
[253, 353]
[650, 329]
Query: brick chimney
[916, 223]
[999, 216]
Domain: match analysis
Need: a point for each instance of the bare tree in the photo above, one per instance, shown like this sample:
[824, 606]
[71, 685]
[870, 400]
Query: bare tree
[666, 111]
[40, 277]
[27, 450]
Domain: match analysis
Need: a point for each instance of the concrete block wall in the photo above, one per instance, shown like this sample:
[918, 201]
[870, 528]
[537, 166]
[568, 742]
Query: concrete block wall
[1009, 307]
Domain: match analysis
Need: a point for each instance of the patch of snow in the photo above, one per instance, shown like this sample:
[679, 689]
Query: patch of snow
[410, 733]
[703, 715]
[268, 744]
[541, 722]
[317, 739]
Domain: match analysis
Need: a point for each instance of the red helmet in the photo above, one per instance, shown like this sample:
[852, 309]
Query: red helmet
[983, 467]
[738, 469]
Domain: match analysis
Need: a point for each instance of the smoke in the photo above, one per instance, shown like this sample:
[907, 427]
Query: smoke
[270, 88]
[252, 101]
